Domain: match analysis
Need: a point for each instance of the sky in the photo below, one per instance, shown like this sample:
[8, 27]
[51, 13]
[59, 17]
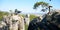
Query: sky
[26, 6]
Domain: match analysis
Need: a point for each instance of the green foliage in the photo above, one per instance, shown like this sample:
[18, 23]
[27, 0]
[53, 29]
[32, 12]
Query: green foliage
[2, 13]
[26, 27]
[32, 16]
[43, 4]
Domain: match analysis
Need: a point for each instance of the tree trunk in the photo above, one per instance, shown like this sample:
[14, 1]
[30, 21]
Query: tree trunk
[49, 9]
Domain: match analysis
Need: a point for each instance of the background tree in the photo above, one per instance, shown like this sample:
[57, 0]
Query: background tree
[16, 10]
[43, 4]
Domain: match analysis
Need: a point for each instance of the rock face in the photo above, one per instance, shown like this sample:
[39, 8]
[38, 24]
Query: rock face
[14, 22]
[27, 19]
[34, 24]
[3, 25]
[49, 22]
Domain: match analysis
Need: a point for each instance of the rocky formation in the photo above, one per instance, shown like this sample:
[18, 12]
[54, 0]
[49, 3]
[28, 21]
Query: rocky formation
[49, 22]
[14, 22]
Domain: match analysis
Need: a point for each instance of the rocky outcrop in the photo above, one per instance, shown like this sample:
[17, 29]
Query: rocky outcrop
[14, 22]
[49, 22]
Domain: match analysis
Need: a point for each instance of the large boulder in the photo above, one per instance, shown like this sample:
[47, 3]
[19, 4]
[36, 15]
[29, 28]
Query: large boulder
[33, 25]
[14, 22]
[49, 22]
